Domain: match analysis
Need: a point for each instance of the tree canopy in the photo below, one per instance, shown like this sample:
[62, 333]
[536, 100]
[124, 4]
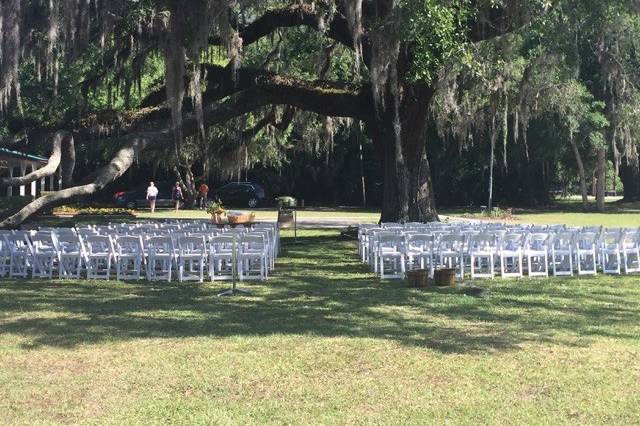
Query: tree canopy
[542, 89]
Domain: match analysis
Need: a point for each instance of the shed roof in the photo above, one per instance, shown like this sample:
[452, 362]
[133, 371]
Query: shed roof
[4, 152]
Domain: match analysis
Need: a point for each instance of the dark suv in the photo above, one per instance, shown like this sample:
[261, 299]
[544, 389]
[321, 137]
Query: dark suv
[245, 194]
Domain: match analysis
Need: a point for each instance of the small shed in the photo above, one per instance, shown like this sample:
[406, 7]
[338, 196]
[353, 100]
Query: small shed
[17, 164]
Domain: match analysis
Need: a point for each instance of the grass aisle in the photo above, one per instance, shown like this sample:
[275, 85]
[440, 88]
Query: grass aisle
[320, 342]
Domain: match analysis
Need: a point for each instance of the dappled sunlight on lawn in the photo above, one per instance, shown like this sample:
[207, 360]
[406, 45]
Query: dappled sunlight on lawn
[322, 330]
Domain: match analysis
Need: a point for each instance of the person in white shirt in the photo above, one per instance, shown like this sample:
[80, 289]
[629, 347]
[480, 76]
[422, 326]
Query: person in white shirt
[152, 193]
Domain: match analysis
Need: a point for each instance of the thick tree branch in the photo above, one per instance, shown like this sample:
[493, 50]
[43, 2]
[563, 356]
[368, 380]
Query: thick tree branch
[61, 138]
[265, 91]
[118, 165]
[294, 16]
[322, 97]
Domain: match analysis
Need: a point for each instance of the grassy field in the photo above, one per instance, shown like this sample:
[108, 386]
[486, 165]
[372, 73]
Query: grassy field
[310, 213]
[567, 211]
[322, 342]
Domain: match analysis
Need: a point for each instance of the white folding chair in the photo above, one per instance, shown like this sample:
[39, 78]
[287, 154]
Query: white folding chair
[20, 250]
[451, 252]
[391, 256]
[374, 238]
[221, 257]
[511, 251]
[70, 253]
[44, 254]
[161, 255]
[536, 250]
[5, 255]
[562, 252]
[129, 257]
[364, 231]
[609, 251]
[191, 258]
[266, 233]
[631, 251]
[100, 254]
[585, 252]
[420, 252]
[252, 257]
[482, 250]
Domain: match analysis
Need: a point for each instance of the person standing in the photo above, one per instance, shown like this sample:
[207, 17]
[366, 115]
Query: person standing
[176, 194]
[203, 190]
[152, 194]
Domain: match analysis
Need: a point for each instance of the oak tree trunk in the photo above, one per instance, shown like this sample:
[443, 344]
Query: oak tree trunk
[630, 177]
[583, 178]
[407, 188]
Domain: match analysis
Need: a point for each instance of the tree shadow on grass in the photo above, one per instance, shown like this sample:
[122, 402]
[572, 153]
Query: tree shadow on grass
[319, 288]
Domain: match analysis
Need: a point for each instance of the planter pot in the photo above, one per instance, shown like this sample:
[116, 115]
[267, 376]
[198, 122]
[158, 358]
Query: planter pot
[418, 278]
[217, 219]
[240, 219]
[444, 277]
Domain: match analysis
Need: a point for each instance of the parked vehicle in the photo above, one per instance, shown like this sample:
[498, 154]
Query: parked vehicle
[137, 198]
[242, 194]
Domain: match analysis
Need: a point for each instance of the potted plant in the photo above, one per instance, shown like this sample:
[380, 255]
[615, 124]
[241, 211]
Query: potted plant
[286, 202]
[217, 212]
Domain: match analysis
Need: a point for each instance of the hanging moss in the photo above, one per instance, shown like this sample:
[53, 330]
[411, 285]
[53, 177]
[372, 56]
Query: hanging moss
[10, 49]
[353, 9]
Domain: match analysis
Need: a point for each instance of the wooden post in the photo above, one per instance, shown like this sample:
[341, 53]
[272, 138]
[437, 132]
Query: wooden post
[23, 170]
[10, 188]
[33, 184]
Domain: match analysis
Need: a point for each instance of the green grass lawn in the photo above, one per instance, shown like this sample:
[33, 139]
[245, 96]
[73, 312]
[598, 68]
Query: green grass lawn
[310, 213]
[321, 342]
[610, 220]
[568, 211]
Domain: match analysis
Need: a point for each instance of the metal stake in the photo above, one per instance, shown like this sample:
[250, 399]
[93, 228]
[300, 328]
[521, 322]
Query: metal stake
[234, 270]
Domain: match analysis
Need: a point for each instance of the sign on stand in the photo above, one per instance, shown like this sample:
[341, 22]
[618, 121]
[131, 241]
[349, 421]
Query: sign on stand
[287, 219]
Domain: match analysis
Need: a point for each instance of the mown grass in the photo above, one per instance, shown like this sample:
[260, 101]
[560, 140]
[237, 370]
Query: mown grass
[321, 342]
[336, 213]
[566, 211]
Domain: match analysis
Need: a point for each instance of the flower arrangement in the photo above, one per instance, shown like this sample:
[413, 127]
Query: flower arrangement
[217, 212]
[92, 211]
[216, 208]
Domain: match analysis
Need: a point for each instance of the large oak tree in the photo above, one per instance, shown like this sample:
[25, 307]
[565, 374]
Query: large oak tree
[397, 47]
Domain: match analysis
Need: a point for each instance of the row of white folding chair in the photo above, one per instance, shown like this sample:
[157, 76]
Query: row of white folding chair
[619, 250]
[426, 251]
[160, 253]
[251, 252]
[481, 252]
[67, 250]
[565, 248]
[40, 251]
[191, 252]
[185, 226]
[365, 230]
[15, 254]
